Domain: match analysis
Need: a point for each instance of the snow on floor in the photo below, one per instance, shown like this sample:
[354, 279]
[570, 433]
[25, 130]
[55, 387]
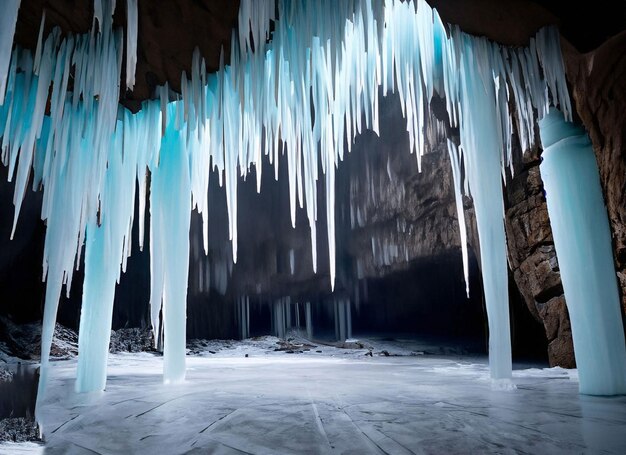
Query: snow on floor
[334, 401]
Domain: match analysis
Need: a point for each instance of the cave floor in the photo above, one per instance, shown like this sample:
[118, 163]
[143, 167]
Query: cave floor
[334, 401]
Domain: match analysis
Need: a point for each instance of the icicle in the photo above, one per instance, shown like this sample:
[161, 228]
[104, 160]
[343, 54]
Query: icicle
[131, 42]
[456, 179]
[38, 50]
[8, 19]
[170, 209]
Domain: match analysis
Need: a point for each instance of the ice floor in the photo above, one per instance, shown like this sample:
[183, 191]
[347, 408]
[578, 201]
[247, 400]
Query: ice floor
[334, 401]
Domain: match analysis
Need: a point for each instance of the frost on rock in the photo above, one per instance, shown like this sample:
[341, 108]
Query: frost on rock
[306, 94]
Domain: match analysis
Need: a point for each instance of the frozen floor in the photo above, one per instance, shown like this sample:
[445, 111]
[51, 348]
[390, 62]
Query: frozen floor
[336, 401]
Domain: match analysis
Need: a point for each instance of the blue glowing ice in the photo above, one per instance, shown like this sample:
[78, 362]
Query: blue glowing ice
[325, 58]
[582, 239]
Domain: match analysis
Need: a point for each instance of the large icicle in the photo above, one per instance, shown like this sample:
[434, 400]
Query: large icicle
[458, 198]
[582, 238]
[170, 208]
[131, 42]
[481, 146]
[8, 19]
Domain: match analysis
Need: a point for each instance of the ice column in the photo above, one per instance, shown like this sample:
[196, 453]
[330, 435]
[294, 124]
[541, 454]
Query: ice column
[107, 245]
[582, 240]
[480, 142]
[103, 249]
[96, 312]
[170, 209]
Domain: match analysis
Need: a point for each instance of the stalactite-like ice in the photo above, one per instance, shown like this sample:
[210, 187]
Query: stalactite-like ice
[458, 198]
[131, 42]
[582, 239]
[254, 19]
[8, 19]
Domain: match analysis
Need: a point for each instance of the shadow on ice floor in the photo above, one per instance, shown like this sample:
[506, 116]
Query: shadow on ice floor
[325, 400]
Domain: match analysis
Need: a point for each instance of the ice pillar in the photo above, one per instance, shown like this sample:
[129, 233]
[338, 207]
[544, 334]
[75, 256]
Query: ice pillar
[170, 217]
[582, 240]
[96, 312]
[106, 248]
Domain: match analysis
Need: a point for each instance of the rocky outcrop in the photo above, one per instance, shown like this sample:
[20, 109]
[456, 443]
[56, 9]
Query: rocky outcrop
[131, 340]
[556, 322]
[24, 340]
[19, 429]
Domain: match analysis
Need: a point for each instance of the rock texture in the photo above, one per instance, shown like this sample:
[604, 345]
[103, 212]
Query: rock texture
[24, 340]
[131, 340]
[19, 429]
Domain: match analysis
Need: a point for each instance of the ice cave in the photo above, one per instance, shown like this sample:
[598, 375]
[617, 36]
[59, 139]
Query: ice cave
[312, 226]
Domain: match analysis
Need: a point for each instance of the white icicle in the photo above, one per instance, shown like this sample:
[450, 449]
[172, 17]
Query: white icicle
[8, 19]
[131, 42]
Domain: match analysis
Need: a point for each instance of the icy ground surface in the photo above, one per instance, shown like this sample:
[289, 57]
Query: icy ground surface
[333, 401]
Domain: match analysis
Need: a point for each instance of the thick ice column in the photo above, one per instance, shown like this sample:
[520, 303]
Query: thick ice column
[171, 213]
[582, 240]
[106, 248]
[97, 310]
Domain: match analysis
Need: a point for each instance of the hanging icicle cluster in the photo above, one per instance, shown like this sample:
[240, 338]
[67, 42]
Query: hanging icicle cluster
[306, 94]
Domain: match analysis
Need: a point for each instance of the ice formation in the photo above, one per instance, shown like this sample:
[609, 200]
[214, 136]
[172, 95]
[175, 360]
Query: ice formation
[8, 20]
[306, 93]
[131, 42]
[582, 238]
